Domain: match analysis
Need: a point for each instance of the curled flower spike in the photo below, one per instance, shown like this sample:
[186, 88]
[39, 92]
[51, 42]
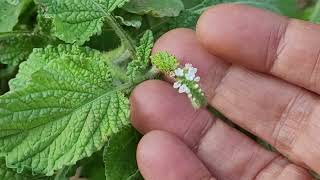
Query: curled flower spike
[186, 79]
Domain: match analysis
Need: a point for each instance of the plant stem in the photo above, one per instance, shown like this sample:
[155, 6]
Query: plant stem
[125, 38]
[119, 73]
[122, 58]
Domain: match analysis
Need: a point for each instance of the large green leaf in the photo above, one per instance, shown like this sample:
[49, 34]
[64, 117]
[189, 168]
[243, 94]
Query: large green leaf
[16, 46]
[66, 111]
[155, 7]
[76, 21]
[9, 13]
[120, 156]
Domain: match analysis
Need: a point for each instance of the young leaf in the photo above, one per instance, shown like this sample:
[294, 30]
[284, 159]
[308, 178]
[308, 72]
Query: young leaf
[141, 63]
[16, 46]
[68, 110]
[121, 152]
[76, 21]
[9, 13]
[163, 8]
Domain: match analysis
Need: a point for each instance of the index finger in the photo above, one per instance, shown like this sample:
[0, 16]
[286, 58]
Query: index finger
[265, 42]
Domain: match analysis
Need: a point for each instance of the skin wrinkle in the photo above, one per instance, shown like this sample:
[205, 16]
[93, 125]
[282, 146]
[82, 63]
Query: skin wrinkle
[279, 126]
[314, 73]
[277, 45]
[203, 130]
[266, 166]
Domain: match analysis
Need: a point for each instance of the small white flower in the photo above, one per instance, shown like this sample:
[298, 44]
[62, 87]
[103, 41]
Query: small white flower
[172, 74]
[190, 76]
[190, 95]
[193, 70]
[196, 86]
[179, 72]
[176, 85]
[197, 79]
[183, 89]
[188, 65]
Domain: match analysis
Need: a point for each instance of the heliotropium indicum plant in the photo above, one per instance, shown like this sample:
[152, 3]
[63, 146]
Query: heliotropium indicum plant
[67, 68]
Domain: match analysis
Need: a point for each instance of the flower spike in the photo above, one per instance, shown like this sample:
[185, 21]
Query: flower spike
[186, 79]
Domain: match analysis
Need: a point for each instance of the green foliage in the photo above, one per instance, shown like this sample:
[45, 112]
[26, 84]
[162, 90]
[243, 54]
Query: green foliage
[15, 47]
[72, 65]
[72, 96]
[9, 174]
[140, 64]
[155, 7]
[315, 16]
[121, 152]
[9, 13]
[76, 21]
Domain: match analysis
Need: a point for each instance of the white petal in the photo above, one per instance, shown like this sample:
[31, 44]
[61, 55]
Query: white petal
[197, 79]
[190, 76]
[182, 89]
[176, 85]
[179, 72]
[193, 70]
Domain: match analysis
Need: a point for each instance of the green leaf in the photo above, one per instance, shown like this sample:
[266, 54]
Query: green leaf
[9, 13]
[9, 174]
[315, 16]
[15, 47]
[68, 110]
[266, 4]
[93, 167]
[121, 152]
[76, 21]
[186, 19]
[155, 8]
[131, 20]
[141, 62]
[42, 57]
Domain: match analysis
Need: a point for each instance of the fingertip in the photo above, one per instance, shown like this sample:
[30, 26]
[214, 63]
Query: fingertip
[174, 41]
[161, 155]
[241, 34]
[144, 100]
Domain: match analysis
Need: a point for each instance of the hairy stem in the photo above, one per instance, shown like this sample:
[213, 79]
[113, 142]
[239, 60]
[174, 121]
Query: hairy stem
[125, 38]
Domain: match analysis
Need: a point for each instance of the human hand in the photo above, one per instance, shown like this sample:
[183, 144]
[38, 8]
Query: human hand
[260, 70]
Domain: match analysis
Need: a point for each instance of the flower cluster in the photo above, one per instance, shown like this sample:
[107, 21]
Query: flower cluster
[187, 82]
